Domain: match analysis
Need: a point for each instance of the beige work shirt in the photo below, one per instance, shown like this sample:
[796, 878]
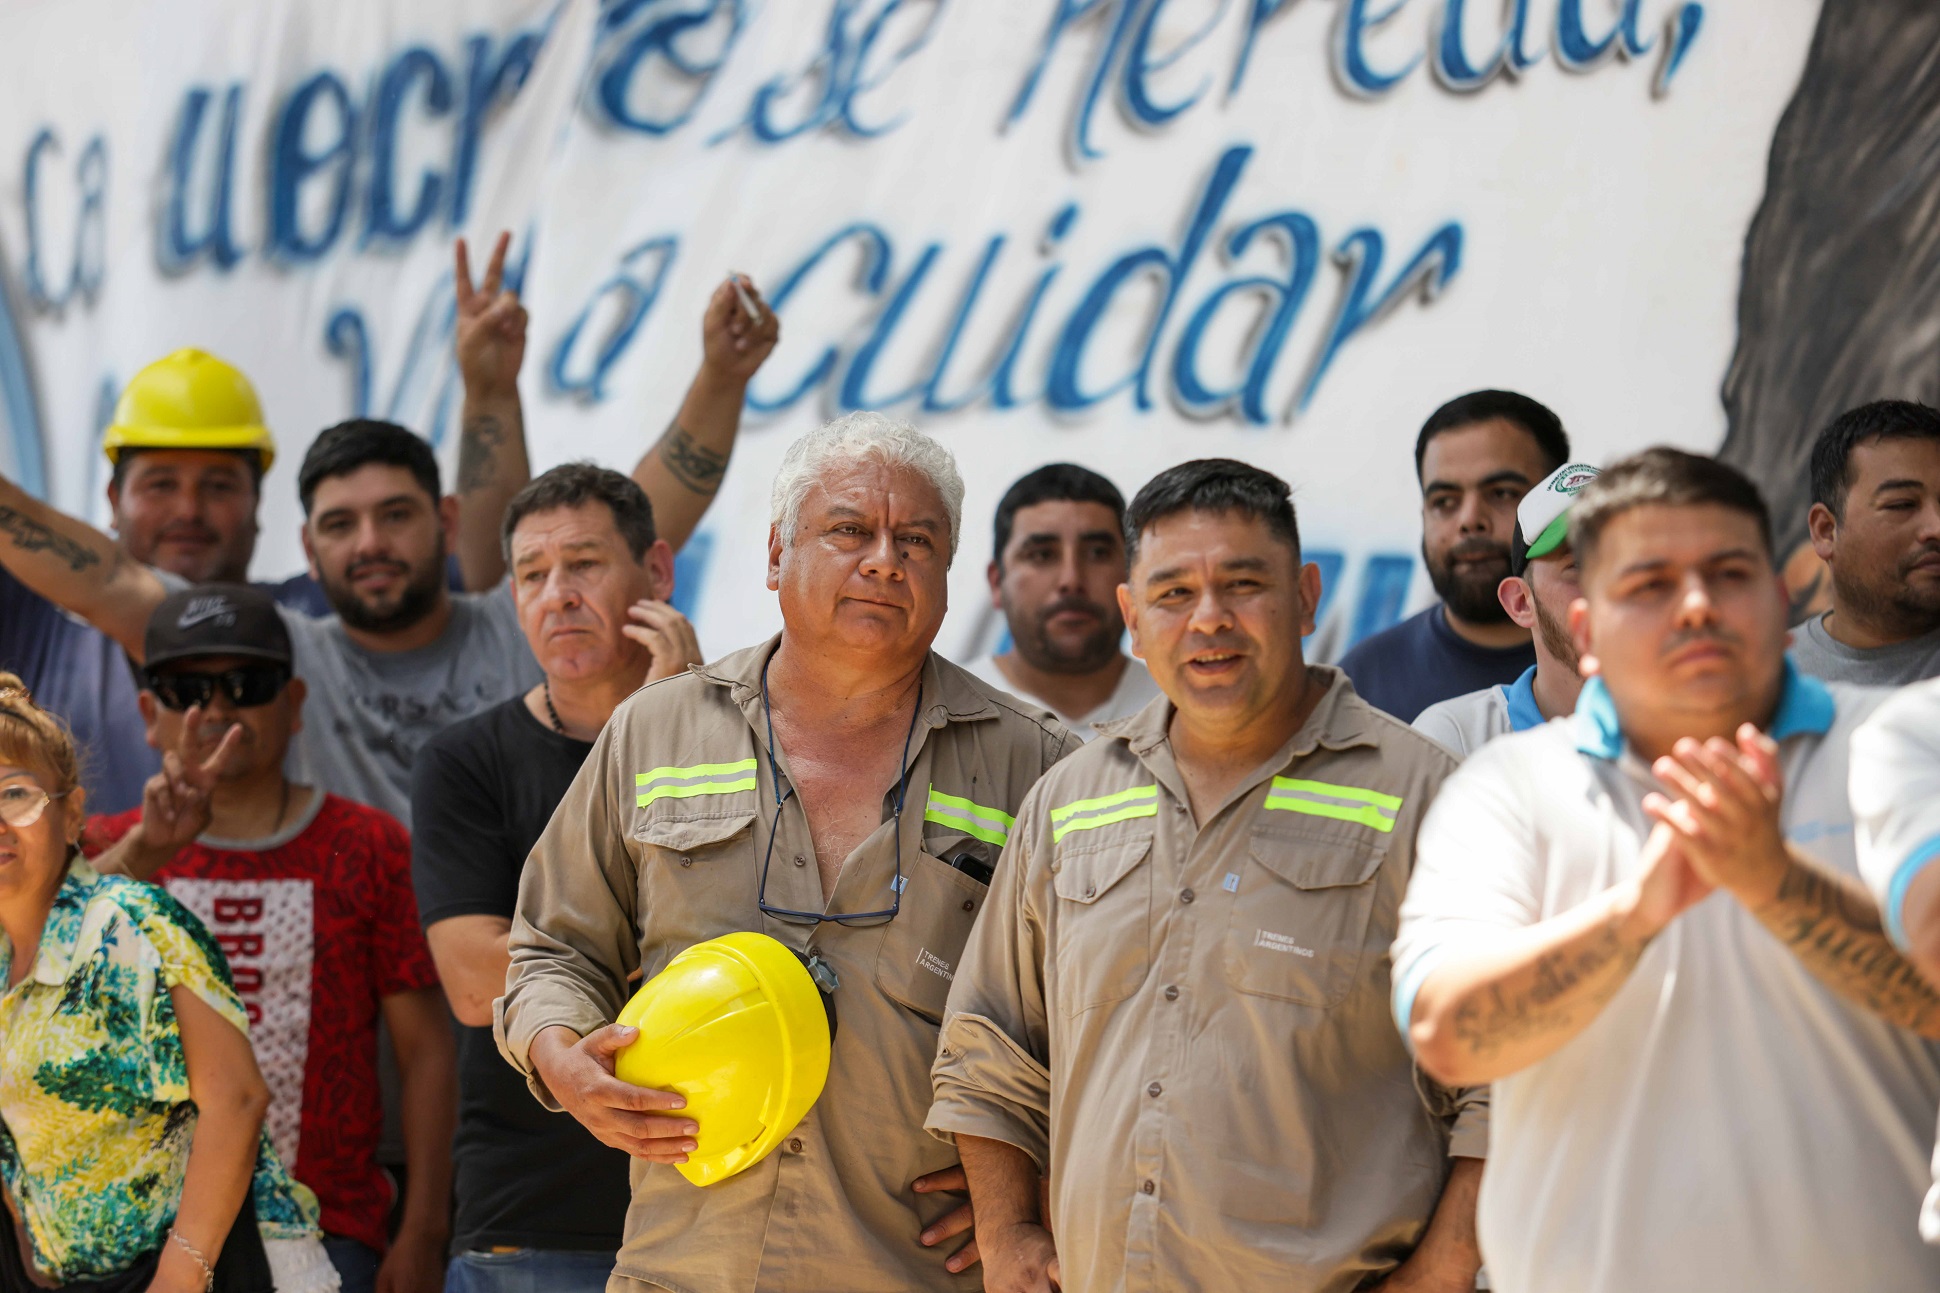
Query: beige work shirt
[1189, 1023]
[659, 845]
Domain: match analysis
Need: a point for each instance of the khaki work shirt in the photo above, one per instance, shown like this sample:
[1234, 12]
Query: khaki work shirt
[627, 875]
[1189, 1023]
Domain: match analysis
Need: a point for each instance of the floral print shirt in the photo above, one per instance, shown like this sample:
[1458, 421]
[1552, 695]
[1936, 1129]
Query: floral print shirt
[94, 1085]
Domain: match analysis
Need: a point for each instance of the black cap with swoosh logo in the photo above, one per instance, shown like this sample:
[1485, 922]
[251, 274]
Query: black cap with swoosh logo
[216, 620]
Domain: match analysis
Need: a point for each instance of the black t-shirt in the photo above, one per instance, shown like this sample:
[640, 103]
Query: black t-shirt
[1422, 661]
[481, 795]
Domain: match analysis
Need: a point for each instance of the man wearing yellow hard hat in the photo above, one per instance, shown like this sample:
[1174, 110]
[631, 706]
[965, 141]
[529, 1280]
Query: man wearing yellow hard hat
[817, 815]
[401, 657]
[189, 448]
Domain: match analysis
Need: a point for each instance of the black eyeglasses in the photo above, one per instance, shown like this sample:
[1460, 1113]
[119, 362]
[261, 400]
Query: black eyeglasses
[856, 919]
[247, 687]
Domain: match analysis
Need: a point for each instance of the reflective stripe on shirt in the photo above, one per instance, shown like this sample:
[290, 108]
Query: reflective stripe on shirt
[1087, 814]
[991, 825]
[685, 783]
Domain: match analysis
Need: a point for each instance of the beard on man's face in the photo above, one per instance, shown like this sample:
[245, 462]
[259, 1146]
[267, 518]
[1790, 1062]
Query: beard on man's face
[389, 612]
[1091, 653]
[1890, 598]
[1556, 635]
[1465, 578]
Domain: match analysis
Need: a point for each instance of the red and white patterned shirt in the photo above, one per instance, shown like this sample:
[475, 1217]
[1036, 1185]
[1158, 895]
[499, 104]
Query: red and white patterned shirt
[320, 925]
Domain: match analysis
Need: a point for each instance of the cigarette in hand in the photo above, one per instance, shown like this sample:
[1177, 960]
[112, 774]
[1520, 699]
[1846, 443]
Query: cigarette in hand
[748, 305]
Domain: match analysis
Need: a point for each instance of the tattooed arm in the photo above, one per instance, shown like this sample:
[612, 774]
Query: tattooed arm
[1483, 1015]
[77, 567]
[1727, 820]
[492, 464]
[682, 471]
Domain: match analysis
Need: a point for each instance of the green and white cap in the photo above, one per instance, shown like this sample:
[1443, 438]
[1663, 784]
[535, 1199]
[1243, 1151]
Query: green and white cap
[1544, 513]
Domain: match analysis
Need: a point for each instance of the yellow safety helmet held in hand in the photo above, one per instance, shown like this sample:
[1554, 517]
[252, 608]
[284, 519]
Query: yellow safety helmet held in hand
[189, 400]
[737, 1026]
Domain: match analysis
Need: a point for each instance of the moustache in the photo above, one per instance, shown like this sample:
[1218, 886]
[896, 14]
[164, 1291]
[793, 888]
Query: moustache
[1925, 552]
[1688, 637]
[1478, 550]
[357, 568]
[1083, 605]
[188, 532]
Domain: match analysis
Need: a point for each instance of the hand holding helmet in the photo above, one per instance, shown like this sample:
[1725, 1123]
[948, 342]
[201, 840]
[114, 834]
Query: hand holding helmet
[579, 1073]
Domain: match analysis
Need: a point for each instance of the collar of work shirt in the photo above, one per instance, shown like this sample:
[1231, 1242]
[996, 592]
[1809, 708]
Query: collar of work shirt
[1334, 724]
[866, 880]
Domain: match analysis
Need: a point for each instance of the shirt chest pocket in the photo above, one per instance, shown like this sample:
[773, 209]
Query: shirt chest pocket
[1300, 913]
[697, 875]
[1104, 922]
[923, 945]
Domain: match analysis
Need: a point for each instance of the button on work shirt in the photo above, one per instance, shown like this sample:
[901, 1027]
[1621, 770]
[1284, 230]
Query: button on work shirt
[659, 845]
[1188, 1022]
[1727, 1123]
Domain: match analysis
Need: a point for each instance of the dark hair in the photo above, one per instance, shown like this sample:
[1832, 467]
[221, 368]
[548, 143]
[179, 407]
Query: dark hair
[344, 448]
[1543, 426]
[252, 458]
[575, 484]
[1662, 477]
[1880, 420]
[1058, 482]
[1213, 485]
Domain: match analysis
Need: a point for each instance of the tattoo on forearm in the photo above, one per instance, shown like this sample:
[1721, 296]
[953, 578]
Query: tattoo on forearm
[693, 465]
[479, 441]
[30, 535]
[1546, 1003]
[1836, 931]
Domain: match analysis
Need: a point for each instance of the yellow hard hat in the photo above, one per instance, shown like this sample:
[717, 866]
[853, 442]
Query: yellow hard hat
[189, 400]
[737, 1026]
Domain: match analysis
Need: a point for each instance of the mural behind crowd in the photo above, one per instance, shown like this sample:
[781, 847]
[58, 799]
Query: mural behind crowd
[1123, 232]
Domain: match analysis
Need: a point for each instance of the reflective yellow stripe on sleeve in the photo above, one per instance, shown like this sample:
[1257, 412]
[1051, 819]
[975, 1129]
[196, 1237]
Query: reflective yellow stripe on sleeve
[1089, 814]
[1369, 808]
[685, 783]
[991, 825]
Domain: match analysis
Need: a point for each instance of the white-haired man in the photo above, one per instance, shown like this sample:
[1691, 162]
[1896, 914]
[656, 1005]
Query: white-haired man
[843, 789]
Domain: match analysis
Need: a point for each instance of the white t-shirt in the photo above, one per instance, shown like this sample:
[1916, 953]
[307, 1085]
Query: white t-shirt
[1896, 810]
[1134, 692]
[1726, 1124]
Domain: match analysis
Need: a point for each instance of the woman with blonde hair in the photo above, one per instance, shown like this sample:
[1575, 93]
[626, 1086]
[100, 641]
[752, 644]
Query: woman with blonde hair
[132, 1151]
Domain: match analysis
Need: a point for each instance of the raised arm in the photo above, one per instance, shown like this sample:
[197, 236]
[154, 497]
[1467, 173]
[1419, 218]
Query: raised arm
[77, 567]
[682, 472]
[492, 463]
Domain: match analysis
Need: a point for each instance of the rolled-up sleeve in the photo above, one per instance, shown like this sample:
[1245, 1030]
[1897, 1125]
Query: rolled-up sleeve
[575, 935]
[992, 1074]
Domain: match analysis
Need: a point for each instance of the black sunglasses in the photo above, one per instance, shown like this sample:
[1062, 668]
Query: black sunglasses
[247, 687]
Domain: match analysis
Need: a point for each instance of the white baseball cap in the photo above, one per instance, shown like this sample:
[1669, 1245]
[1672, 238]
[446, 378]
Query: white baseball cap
[1543, 516]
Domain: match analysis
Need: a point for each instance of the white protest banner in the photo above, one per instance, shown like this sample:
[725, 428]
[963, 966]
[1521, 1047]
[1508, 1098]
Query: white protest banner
[1119, 232]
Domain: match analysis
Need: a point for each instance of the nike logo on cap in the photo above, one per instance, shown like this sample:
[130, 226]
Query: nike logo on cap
[203, 609]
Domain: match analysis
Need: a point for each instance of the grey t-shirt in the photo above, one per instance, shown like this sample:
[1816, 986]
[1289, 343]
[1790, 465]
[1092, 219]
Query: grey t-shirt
[1818, 653]
[369, 712]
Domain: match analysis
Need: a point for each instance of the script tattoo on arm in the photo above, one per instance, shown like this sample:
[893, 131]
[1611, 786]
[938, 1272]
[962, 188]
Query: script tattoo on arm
[1832, 925]
[30, 535]
[1560, 992]
[478, 444]
[692, 464]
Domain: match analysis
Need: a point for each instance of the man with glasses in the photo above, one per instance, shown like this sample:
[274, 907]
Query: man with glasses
[841, 788]
[309, 896]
